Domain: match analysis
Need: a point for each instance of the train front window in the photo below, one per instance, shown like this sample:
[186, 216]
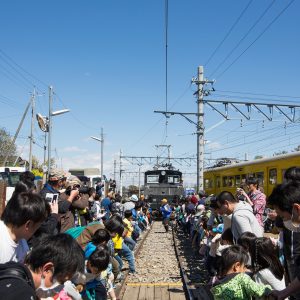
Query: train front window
[152, 178]
[273, 176]
[173, 179]
[237, 180]
[4, 176]
[14, 178]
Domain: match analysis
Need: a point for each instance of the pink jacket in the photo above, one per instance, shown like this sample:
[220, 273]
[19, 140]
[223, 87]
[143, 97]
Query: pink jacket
[259, 203]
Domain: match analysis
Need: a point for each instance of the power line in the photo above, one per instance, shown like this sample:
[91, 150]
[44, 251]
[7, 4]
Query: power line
[258, 37]
[21, 68]
[243, 38]
[247, 143]
[228, 33]
[254, 98]
[13, 78]
[257, 94]
[73, 115]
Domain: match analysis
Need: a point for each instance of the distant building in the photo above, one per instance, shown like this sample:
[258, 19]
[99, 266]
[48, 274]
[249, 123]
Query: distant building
[14, 160]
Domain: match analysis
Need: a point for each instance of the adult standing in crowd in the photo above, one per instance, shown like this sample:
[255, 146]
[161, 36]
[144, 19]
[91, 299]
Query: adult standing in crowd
[106, 203]
[21, 217]
[285, 198]
[258, 199]
[242, 219]
[166, 213]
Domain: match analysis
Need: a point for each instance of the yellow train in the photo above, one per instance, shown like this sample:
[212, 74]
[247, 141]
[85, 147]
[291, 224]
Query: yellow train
[269, 172]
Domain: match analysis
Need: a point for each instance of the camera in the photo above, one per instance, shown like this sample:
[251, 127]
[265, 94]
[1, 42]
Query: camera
[51, 198]
[82, 190]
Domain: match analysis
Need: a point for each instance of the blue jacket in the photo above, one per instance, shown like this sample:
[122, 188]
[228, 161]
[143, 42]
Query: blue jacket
[166, 211]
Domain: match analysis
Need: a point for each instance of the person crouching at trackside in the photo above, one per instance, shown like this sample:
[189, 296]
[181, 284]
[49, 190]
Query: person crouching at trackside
[166, 213]
[234, 283]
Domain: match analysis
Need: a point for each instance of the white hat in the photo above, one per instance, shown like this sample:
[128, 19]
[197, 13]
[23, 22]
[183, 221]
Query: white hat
[134, 198]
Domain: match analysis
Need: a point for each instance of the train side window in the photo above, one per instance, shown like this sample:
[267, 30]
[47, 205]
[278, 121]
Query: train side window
[237, 180]
[225, 181]
[284, 170]
[230, 181]
[206, 184]
[273, 176]
[218, 181]
[244, 178]
[260, 177]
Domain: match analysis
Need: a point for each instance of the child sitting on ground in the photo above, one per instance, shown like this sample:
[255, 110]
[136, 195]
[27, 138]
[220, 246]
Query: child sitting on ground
[128, 225]
[235, 284]
[96, 263]
[220, 242]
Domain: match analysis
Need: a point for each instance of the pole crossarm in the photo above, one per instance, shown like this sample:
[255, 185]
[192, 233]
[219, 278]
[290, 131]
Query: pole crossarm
[245, 109]
[183, 114]
[141, 160]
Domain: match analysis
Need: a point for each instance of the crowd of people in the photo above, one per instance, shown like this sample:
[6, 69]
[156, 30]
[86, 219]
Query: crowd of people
[229, 233]
[67, 241]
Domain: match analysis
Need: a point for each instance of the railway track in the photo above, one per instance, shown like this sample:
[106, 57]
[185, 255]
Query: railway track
[162, 270]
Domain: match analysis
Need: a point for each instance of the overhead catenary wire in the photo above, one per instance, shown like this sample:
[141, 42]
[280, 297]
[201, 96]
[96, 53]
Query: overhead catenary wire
[257, 38]
[254, 98]
[243, 38]
[23, 69]
[264, 138]
[228, 33]
[257, 94]
[73, 115]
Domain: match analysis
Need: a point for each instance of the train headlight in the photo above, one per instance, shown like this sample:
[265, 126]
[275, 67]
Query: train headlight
[163, 173]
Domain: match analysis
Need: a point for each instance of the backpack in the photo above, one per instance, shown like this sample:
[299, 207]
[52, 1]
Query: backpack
[16, 271]
[75, 232]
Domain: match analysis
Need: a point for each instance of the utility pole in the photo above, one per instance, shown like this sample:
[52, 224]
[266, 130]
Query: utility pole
[200, 81]
[31, 128]
[102, 147]
[16, 134]
[49, 129]
[121, 179]
[115, 170]
[139, 181]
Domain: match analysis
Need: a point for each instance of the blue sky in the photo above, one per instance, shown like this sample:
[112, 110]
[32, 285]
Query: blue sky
[106, 62]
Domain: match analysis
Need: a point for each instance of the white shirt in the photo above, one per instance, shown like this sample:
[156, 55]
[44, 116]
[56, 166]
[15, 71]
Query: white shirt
[9, 249]
[265, 276]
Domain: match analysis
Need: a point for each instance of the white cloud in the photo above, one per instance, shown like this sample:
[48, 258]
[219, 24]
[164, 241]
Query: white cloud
[213, 145]
[73, 149]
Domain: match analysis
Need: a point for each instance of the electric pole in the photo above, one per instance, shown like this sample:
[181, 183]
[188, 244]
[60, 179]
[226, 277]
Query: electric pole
[31, 128]
[50, 129]
[201, 82]
[102, 146]
[115, 170]
[121, 179]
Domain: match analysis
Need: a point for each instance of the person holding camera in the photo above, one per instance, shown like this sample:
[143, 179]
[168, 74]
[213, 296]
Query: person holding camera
[77, 197]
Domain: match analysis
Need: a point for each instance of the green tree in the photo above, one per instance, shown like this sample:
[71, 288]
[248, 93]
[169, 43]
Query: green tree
[280, 153]
[258, 156]
[6, 145]
[297, 148]
[36, 163]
